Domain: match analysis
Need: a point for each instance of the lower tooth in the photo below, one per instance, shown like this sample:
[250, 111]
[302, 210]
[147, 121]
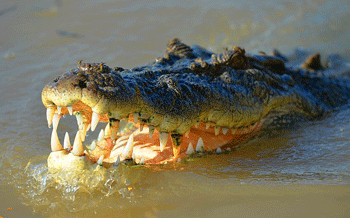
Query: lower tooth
[189, 149]
[93, 145]
[100, 160]
[142, 161]
[200, 145]
[117, 162]
[108, 131]
[127, 153]
[55, 142]
[67, 145]
[218, 151]
[100, 135]
[78, 149]
[224, 131]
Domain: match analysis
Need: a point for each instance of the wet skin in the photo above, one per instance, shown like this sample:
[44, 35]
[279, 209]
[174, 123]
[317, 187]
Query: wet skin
[191, 100]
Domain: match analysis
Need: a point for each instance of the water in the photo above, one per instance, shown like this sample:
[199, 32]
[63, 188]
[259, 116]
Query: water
[303, 171]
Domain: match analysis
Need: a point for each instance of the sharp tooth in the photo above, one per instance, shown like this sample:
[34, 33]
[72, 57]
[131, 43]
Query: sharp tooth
[117, 162]
[58, 109]
[94, 120]
[55, 142]
[108, 131]
[56, 119]
[93, 145]
[127, 153]
[49, 116]
[228, 149]
[141, 127]
[88, 128]
[217, 130]
[218, 151]
[100, 135]
[200, 145]
[151, 130]
[187, 134]
[78, 149]
[136, 117]
[196, 125]
[70, 110]
[80, 119]
[67, 145]
[142, 161]
[207, 125]
[100, 160]
[224, 130]
[163, 139]
[190, 149]
[122, 125]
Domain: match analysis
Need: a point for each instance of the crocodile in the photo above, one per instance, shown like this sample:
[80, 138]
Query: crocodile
[186, 102]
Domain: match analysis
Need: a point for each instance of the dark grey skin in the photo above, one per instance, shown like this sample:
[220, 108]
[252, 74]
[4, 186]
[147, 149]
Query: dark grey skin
[192, 85]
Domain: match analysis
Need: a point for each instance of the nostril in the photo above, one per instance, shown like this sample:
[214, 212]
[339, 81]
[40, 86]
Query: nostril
[56, 80]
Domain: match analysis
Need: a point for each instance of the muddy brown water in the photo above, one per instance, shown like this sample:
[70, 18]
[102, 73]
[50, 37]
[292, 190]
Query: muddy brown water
[299, 172]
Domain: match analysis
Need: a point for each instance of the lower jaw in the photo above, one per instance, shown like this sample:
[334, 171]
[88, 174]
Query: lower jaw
[146, 150]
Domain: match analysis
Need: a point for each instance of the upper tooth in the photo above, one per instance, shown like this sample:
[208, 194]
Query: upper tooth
[80, 119]
[136, 117]
[49, 116]
[58, 109]
[218, 151]
[100, 160]
[127, 153]
[141, 127]
[122, 125]
[67, 145]
[190, 149]
[151, 130]
[55, 142]
[163, 139]
[187, 134]
[207, 125]
[224, 130]
[196, 125]
[217, 130]
[78, 149]
[70, 110]
[94, 120]
[56, 119]
[200, 145]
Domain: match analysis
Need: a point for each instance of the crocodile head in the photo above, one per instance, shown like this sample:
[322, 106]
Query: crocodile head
[191, 100]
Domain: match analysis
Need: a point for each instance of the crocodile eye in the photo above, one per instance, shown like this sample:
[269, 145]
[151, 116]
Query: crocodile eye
[82, 84]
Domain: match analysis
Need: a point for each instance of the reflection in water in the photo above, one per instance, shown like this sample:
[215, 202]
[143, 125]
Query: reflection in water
[129, 34]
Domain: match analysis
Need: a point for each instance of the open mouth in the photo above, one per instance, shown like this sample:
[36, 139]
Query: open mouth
[130, 139]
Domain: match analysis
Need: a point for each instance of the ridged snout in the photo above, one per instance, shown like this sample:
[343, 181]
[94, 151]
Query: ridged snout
[64, 90]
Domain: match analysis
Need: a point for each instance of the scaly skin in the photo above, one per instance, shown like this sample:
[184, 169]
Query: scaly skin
[187, 96]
